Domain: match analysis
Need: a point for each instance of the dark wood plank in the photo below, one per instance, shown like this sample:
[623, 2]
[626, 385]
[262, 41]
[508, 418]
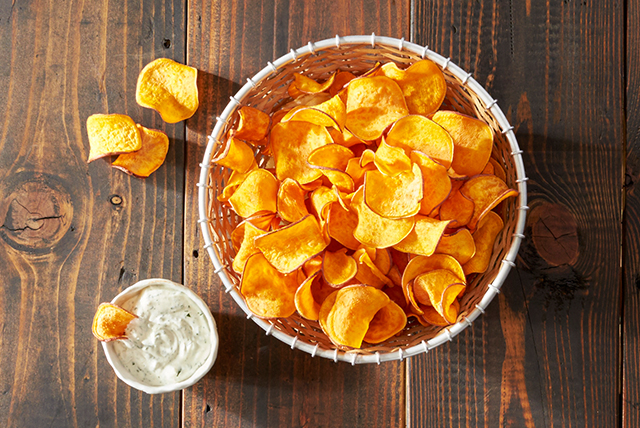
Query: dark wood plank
[72, 234]
[546, 352]
[631, 246]
[257, 380]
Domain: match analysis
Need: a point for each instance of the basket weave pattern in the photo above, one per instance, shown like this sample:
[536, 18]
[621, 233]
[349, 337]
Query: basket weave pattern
[358, 54]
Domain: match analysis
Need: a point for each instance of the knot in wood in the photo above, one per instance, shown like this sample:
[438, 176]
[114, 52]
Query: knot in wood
[555, 234]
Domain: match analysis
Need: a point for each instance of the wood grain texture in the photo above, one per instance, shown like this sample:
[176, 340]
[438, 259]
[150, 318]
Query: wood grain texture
[257, 380]
[546, 352]
[631, 231]
[66, 244]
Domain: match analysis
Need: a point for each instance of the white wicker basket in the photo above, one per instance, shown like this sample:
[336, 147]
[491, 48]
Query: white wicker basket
[357, 54]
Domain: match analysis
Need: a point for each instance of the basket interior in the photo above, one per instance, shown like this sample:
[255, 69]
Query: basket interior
[271, 93]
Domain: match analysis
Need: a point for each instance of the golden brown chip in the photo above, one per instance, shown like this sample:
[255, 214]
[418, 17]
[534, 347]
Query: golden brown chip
[383, 260]
[422, 84]
[155, 145]
[304, 300]
[394, 197]
[339, 82]
[248, 247]
[237, 155]
[459, 244]
[289, 247]
[253, 124]
[386, 323]
[290, 201]
[498, 169]
[341, 224]
[484, 237]
[110, 322]
[391, 160]
[320, 199]
[307, 85]
[368, 273]
[424, 238]
[418, 133]
[312, 265]
[267, 292]
[169, 88]
[291, 144]
[373, 103]
[429, 286]
[436, 182]
[376, 231]
[345, 316]
[338, 268]
[486, 191]
[247, 202]
[112, 134]
[332, 156]
[457, 207]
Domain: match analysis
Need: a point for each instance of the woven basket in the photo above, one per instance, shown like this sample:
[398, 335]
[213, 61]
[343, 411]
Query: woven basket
[265, 91]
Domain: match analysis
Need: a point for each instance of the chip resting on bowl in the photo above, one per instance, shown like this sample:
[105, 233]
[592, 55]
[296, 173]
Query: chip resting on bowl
[110, 322]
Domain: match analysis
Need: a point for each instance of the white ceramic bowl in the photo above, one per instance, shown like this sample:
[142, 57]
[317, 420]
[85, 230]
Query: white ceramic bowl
[124, 374]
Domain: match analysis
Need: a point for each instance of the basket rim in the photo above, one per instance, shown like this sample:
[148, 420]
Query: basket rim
[490, 104]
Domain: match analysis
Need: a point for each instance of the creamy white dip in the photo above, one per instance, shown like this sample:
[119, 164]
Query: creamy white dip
[168, 341]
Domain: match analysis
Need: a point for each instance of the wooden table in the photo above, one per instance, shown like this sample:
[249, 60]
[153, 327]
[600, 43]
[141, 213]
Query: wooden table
[558, 348]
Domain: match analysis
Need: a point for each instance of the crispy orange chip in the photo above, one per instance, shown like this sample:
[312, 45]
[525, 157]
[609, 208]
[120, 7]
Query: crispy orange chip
[311, 115]
[394, 197]
[338, 268]
[484, 236]
[457, 207]
[247, 202]
[460, 245]
[155, 145]
[376, 231]
[169, 88]
[498, 170]
[373, 103]
[237, 155]
[391, 160]
[472, 139]
[267, 292]
[110, 322]
[486, 191]
[289, 247]
[424, 238]
[253, 124]
[422, 84]
[368, 273]
[356, 172]
[339, 82]
[291, 144]
[345, 316]
[321, 198]
[387, 322]
[290, 201]
[312, 265]
[332, 156]
[436, 182]
[307, 85]
[440, 288]
[112, 134]
[341, 224]
[418, 133]
[383, 260]
[304, 300]
[248, 247]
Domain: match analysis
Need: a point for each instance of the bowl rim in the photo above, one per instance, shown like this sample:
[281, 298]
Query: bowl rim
[124, 375]
[490, 104]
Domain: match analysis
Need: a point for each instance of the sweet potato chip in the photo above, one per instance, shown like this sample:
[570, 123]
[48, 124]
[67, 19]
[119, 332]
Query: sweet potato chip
[449, 311]
[432, 317]
[345, 316]
[422, 84]
[169, 88]
[356, 172]
[234, 181]
[290, 201]
[112, 134]
[338, 268]
[498, 169]
[237, 155]
[484, 237]
[436, 182]
[332, 156]
[373, 103]
[472, 139]
[394, 197]
[305, 303]
[253, 124]
[291, 144]
[289, 247]
[247, 202]
[383, 260]
[341, 224]
[312, 265]
[460, 245]
[391, 160]
[320, 199]
[110, 322]
[429, 289]
[368, 273]
[488, 169]
[424, 238]
[155, 145]
[386, 323]
[333, 108]
[307, 85]
[311, 115]
[395, 276]
[376, 231]
[457, 208]
[486, 191]
[267, 292]
[340, 81]
[248, 247]
[418, 133]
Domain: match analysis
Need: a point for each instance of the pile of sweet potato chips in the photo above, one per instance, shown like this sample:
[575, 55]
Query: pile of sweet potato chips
[378, 206]
[163, 85]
